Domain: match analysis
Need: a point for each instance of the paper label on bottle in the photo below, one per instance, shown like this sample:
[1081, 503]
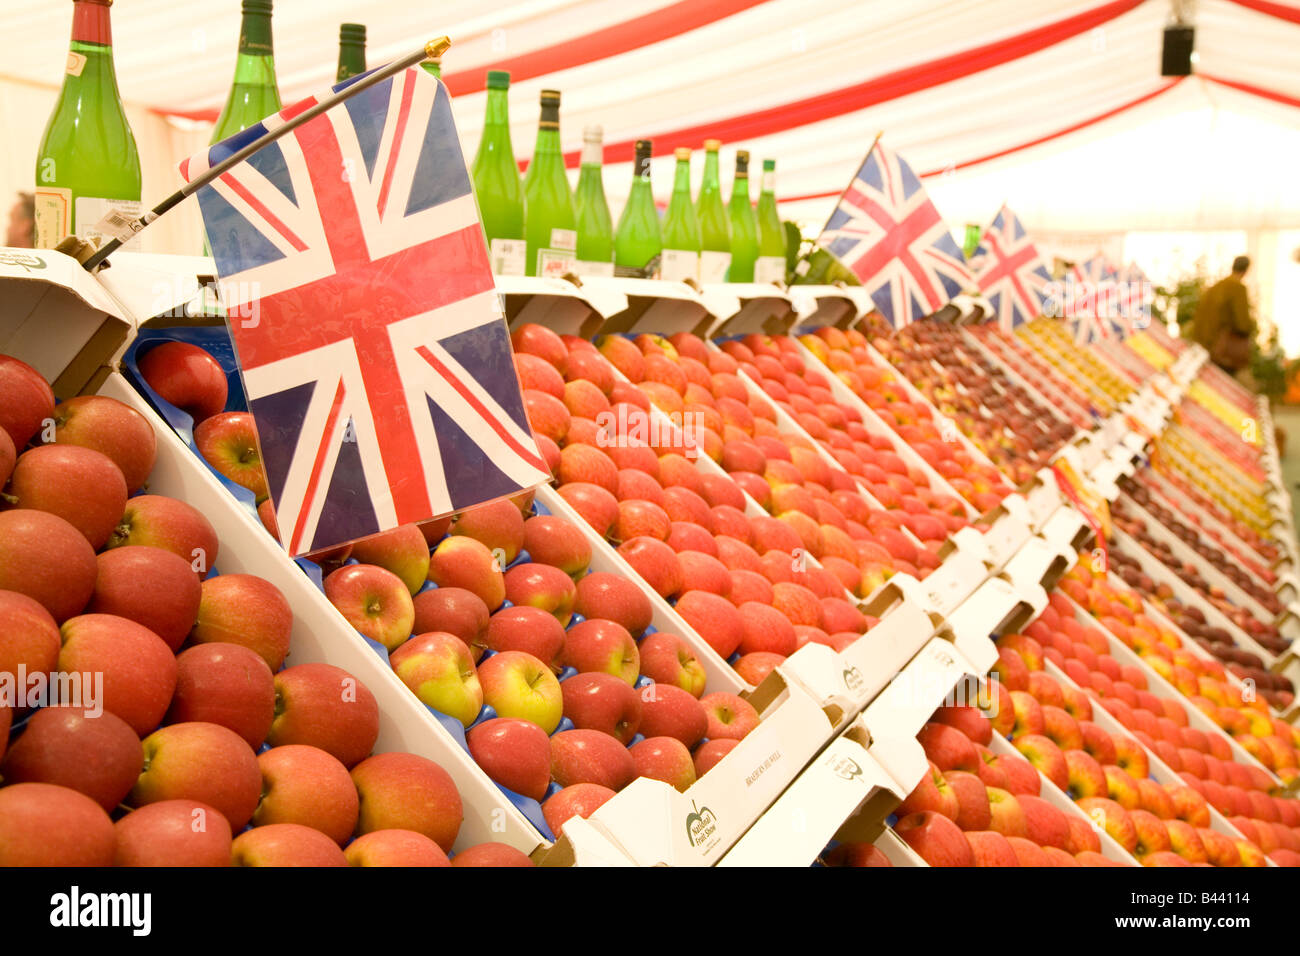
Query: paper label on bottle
[713, 266]
[76, 63]
[586, 267]
[509, 257]
[554, 263]
[565, 240]
[679, 265]
[90, 212]
[769, 269]
[53, 216]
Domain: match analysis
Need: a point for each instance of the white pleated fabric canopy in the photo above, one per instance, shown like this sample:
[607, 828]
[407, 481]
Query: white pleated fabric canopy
[1055, 107]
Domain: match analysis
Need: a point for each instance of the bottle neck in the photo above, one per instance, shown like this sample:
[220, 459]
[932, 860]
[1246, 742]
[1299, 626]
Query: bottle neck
[548, 139]
[498, 109]
[769, 183]
[710, 180]
[352, 60]
[255, 35]
[740, 188]
[592, 153]
[91, 24]
[682, 179]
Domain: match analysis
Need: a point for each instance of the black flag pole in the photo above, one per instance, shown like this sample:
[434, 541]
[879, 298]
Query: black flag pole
[430, 51]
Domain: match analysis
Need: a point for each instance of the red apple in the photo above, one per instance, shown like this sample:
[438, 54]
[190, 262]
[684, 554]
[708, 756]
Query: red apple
[580, 800]
[47, 560]
[374, 601]
[529, 629]
[26, 400]
[46, 825]
[403, 551]
[80, 485]
[187, 377]
[150, 586]
[552, 540]
[204, 762]
[668, 711]
[666, 759]
[607, 596]
[99, 756]
[302, 784]
[709, 753]
[1006, 815]
[515, 753]
[667, 659]
[948, 748]
[973, 811]
[172, 833]
[936, 839]
[246, 610]
[401, 791]
[603, 702]
[224, 684]
[991, 849]
[326, 707]
[1046, 757]
[462, 562]
[228, 442]
[397, 848]
[138, 669]
[602, 646]
[970, 720]
[31, 638]
[170, 524]
[516, 684]
[439, 669]
[111, 428]
[285, 844]
[455, 611]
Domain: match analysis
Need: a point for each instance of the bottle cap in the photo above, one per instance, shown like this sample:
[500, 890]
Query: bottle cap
[769, 165]
[593, 133]
[257, 6]
[742, 161]
[550, 97]
[682, 152]
[712, 145]
[498, 80]
[355, 32]
[644, 146]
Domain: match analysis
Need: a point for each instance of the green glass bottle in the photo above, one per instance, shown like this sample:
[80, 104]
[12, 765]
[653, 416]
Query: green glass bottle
[548, 202]
[352, 51]
[681, 231]
[497, 186]
[770, 264]
[638, 244]
[744, 227]
[87, 164]
[254, 94]
[715, 228]
[595, 226]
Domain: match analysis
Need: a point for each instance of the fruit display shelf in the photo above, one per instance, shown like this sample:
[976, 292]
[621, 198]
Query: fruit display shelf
[1028, 374]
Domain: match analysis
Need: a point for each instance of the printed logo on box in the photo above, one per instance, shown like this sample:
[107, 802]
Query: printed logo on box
[23, 260]
[846, 768]
[853, 680]
[701, 827]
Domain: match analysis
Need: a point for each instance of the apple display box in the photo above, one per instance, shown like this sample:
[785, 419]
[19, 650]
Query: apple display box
[59, 319]
[320, 634]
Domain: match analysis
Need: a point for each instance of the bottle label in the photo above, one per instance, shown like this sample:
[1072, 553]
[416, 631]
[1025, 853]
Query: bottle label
[76, 63]
[89, 213]
[53, 216]
[713, 265]
[509, 257]
[680, 264]
[586, 267]
[769, 269]
[559, 258]
[565, 240]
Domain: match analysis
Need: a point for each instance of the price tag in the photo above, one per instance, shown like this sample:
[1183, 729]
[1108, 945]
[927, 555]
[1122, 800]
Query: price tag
[509, 257]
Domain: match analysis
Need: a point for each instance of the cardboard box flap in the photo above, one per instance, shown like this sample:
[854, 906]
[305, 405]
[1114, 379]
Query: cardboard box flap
[1039, 562]
[746, 307]
[149, 285]
[953, 581]
[902, 708]
[1008, 534]
[844, 783]
[820, 305]
[999, 606]
[652, 305]
[58, 319]
[850, 679]
[567, 307]
[581, 844]
[656, 825]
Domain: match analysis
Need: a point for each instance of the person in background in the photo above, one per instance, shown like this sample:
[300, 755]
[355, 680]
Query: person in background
[21, 232]
[1223, 323]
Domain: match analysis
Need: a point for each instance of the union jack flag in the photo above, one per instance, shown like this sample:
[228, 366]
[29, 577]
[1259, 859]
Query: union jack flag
[1136, 297]
[368, 329]
[1010, 272]
[1097, 308]
[888, 232]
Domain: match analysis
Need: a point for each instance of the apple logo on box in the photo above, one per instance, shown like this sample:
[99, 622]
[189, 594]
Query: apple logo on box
[701, 824]
[846, 768]
[852, 679]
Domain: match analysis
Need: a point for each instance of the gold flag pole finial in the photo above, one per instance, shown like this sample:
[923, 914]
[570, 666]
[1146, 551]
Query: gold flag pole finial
[436, 48]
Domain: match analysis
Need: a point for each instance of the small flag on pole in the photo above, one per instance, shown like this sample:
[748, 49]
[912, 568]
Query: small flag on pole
[1010, 272]
[362, 306]
[889, 233]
